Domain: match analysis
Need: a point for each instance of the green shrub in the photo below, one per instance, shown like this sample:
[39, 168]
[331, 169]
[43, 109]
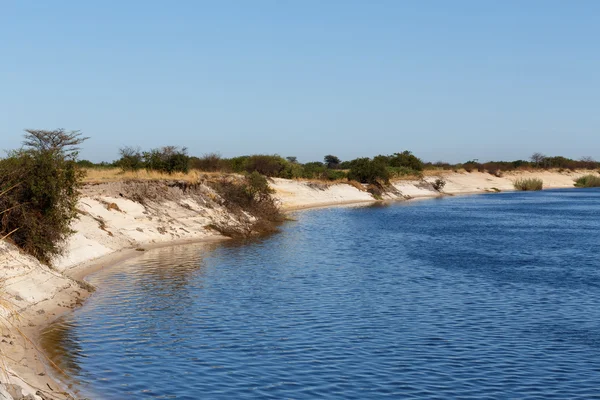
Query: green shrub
[345, 165]
[167, 159]
[313, 170]
[91, 165]
[258, 185]
[365, 170]
[588, 181]
[131, 159]
[528, 184]
[237, 164]
[45, 179]
[85, 164]
[292, 171]
[399, 172]
[334, 175]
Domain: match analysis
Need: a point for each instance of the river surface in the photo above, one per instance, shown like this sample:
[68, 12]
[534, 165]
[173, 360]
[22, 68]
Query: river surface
[489, 296]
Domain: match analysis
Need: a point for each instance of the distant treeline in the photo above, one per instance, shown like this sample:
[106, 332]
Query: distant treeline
[379, 169]
[172, 159]
[536, 161]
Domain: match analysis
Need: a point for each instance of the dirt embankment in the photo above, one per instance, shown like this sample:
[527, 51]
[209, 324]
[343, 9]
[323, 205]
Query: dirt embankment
[118, 219]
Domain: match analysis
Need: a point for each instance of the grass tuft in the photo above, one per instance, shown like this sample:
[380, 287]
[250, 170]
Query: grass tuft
[528, 184]
[588, 181]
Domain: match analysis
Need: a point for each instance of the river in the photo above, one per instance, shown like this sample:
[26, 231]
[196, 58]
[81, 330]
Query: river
[463, 297]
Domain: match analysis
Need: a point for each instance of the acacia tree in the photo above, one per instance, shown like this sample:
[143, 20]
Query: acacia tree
[538, 159]
[44, 178]
[58, 141]
[332, 161]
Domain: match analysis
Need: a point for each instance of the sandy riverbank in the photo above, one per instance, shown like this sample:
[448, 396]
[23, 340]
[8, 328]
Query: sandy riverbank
[112, 226]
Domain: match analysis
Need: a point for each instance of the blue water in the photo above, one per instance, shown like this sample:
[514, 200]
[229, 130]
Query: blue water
[490, 296]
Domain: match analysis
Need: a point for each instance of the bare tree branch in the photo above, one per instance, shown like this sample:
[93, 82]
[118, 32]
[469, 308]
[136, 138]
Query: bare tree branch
[58, 140]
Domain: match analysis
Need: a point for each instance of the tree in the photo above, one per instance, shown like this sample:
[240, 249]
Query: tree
[58, 141]
[43, 178]
[406, 159]
[292, 159]
[332, 161]
[537, 159]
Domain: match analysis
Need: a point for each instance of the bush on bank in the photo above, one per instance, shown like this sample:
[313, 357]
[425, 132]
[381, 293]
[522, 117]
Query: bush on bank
[588, 181]
[168, 159]
[40, 184]
[365, 170]
[528, 184]
[250, 195]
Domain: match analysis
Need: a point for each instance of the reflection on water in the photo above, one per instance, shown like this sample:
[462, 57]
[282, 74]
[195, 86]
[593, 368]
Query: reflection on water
[161, 274]
[61, 345]
[487, 296]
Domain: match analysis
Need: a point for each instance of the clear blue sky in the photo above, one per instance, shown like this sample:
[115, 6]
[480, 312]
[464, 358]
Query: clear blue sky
[449, 80]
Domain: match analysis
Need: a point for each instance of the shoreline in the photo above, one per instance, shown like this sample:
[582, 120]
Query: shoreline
[35, 321]
[32, 369]
[80, 272]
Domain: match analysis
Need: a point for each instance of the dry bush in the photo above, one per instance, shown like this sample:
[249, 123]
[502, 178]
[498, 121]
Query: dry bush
[527, 184]
[252, 196]
[96, 175]
[439, 184]
[376, 190]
